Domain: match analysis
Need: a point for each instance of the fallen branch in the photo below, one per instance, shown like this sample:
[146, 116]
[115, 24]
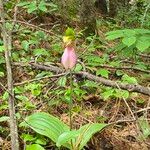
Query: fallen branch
[130, 87]
[125, 68]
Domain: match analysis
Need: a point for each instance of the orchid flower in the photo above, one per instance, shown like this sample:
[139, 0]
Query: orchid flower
[69, 57]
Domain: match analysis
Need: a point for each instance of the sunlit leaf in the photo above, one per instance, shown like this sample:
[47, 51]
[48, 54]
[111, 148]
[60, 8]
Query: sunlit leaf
[129, 40]
[34, 147]
[46, 125]
[4, 118]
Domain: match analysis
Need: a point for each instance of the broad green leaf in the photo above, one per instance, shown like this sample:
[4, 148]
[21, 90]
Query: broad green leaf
[108, 93]
[143, 43]
[121, 93]
[145, 127]
[42, 6]
[119, 72]
[19, 90]
[114, 34]
[120, 33]
[22, 98]
[102, 72]
[23, 3]
[41, 51]
[34, 147]
[129, 40]
[78, 67]
[25, 45]
[128, 79]
[90, 84]
[62, 81]
[86, 132]
[32, 7]
[128, 32]
[67, 96]
[66, 137]
[4, 118]
[27, 137]
[142, 31]
[41, 141]
[46, 125]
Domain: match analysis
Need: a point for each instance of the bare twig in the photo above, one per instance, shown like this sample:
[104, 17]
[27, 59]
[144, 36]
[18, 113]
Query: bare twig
[141, 110]
[37, 79]
[125, 68]
[132, 114]
[30, 25]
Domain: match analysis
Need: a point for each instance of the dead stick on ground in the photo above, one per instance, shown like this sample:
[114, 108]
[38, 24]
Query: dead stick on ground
[7, 44]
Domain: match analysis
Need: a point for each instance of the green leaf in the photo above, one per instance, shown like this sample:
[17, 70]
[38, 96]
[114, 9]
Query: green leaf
[32, 7]
[78, 68]
[42, 6]
[108, 93]
[25, 45]
[2, 74]
[22, 98]
[66, 137]
[40, 51]
[4, 118]
[120, 33]
[19, 90]
[5, 96]
[34, 147]
[114, 34]
[142, 31]
[2, 48]
[129, 40]
[27, 137]
[62, 81]
[41, 141]
[119, 72]
[23, 3]
[145, 127]
[2, 60]
[128, 79]
[86, 132]
[103, 73]
[143, 43]
[46, 125]
[121, 93]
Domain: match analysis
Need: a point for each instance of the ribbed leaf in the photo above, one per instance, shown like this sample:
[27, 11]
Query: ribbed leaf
[119, 33]
[65, 138]
[86, 132]
[143, 43]
[129, 40]
[114, 34]
[46, 124]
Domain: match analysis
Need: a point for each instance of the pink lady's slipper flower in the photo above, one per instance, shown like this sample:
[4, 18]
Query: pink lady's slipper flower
[69, 57]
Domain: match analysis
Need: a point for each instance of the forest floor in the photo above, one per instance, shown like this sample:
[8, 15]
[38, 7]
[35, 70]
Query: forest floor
[128, 116]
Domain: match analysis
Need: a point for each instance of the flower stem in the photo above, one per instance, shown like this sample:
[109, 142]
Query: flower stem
[71, 104]
[71, 100]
